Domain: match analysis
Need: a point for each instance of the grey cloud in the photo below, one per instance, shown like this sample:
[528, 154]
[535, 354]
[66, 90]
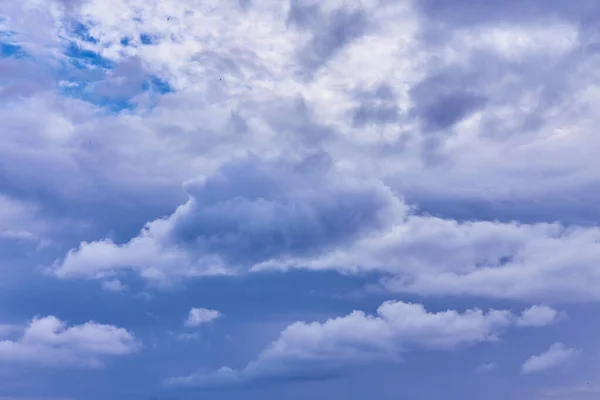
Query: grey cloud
[124, 81]
[330, 35]
[303, 14]
[447, 96]
[481, 12]
[378, 108]
[248, 212]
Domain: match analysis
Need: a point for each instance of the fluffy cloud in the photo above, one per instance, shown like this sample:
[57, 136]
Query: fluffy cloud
[312, 350]
[539, 315]
[199, 316]
[49, 341]
[557, 355]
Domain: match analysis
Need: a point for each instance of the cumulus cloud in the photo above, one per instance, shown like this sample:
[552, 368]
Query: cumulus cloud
[316, 350]
[199, 316]
[557, 355]
[539, 315]
[248, 213]
[257, 215]
[49, 341]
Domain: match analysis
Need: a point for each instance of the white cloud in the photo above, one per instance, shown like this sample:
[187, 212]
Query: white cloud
[199, 316]
[539, 315]
[557, 355]
[309, 350]
[49, 341]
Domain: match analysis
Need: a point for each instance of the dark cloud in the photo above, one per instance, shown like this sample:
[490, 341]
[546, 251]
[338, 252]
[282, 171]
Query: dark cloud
[303, 15]
[446, 97]
[481, 12]
[253, 210]
[330, 35]
[377, 107]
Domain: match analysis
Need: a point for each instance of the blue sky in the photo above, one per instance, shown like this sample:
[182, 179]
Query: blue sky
[359, 199]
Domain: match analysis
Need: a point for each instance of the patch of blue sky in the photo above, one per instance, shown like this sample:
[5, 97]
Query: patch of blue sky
[147, 39]
[83, 58]
[10, 50]
[82, 32]
[85, 92]
[157, 85]
[8, 46]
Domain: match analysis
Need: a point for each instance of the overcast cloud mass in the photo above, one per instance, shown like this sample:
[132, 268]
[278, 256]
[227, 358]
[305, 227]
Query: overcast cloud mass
[299, 199]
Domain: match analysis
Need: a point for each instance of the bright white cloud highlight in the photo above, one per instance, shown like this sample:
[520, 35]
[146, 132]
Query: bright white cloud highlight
[200, 316]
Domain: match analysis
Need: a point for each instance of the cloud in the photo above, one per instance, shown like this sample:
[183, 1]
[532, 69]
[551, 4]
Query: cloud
[539, 315]
[557, 355]
[247, 213]
[49, 341]
[199, 316]
[309, 351]
[461, 153]
[258, 215]
[20, 221]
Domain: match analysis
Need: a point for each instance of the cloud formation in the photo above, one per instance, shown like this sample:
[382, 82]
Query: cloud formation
[457, 161]
[199, 316]
[49, 341]
[249, 212]
[557, 355]
[539, 315]
[308, 351]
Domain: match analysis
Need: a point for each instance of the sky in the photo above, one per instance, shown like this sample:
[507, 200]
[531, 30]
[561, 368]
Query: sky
[299, 199]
